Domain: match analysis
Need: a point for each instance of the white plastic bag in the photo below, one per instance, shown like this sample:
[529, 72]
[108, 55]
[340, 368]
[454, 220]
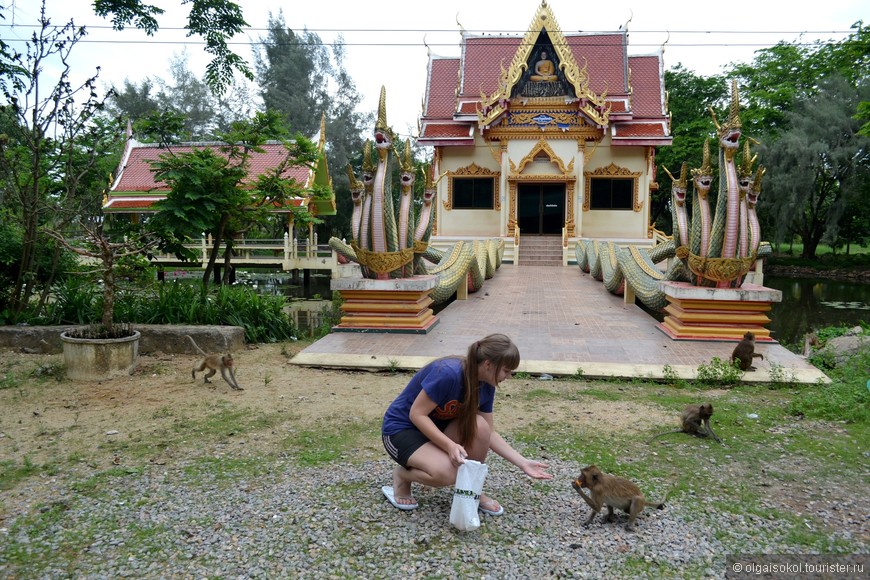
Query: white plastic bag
[466, 495]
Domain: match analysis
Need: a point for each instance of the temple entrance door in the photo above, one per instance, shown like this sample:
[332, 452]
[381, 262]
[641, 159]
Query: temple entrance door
[541, 208]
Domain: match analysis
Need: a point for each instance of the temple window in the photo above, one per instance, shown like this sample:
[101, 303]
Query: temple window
[473, 192]
[611, 193]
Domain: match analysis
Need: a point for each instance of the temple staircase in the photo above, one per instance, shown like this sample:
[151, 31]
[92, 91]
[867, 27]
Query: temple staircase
[541, 251]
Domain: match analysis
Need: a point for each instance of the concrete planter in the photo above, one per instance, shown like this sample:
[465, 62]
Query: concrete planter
[99, 359]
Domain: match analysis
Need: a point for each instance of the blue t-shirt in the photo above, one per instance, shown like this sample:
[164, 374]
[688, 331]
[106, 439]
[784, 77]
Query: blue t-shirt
[444, 383]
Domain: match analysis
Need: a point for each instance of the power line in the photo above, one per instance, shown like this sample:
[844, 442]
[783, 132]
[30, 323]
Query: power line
[86, 40]
[471, 31]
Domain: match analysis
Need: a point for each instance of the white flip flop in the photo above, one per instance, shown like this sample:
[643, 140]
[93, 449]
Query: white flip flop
[388, 493]
[499, 512]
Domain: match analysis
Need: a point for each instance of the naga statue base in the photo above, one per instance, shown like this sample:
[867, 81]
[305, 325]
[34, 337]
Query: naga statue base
[702, 313]
[400, 305]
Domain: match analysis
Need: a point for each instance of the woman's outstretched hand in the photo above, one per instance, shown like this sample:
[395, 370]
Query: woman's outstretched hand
[535, 469]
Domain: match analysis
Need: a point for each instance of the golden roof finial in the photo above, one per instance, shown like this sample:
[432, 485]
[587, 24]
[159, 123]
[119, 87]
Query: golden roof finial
[322, 144]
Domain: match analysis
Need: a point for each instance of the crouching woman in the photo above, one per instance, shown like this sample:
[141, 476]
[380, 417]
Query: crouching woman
[444, 416]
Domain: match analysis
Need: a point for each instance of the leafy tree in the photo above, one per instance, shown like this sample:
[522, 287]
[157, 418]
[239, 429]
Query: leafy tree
[51, 148]
[293, 72]
[819, 165]
[299, 77]
[210, 190]
[133, 101]
[215, 20]
[689, 99]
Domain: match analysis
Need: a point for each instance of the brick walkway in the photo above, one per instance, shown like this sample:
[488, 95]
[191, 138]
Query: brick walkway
[562, 320]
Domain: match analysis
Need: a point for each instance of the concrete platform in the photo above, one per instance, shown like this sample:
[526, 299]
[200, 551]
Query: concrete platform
[562, 320]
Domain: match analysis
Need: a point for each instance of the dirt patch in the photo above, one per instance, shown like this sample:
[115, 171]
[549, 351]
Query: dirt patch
[52, 419]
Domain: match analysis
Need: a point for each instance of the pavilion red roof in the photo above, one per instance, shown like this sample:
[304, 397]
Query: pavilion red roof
[136, 189]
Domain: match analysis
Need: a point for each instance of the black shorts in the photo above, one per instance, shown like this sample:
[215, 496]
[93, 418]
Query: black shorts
[402, 445]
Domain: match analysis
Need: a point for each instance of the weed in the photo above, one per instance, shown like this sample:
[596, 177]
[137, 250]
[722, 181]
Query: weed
[579, 374]
[672, 377]
[392, 365]
[267, 378]
[522, 375]
[718, 373]
[11, 472]
[781, 377]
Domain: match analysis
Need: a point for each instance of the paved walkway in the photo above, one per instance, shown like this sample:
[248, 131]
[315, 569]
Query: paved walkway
[562, 320]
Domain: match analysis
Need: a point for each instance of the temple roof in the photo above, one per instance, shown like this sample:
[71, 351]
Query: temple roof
[135, 189]
[608, 86]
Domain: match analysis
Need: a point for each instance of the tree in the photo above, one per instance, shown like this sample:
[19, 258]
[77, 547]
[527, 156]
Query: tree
[819, 165]
[210, 190]
[300, 78]
[215, 20]
[689, 98]
[51, 146]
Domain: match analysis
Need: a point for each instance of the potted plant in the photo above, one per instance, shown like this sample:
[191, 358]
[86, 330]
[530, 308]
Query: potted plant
[105, 350]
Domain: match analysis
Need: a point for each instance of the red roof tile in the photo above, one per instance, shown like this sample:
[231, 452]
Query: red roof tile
[136, 175]
[647, 100]
[446, 131]
[639, 130]
[482, 60]
[605, 54]
[440, 97]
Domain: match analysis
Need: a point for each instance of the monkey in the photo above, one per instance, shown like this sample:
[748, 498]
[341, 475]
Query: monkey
[215, 363]
[744, 352]
[695, 421]
[614, 492]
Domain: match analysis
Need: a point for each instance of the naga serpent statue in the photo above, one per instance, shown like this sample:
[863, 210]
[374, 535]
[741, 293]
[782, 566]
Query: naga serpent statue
[711, 250]
[389, 242]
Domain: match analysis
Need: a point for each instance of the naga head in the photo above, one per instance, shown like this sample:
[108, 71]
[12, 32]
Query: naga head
[429, 189]
[744, 171]
[729, 132]
[368, 167]
[406, 163]
[702, 177]
[755, 190]
[679, 186]
[383, 133]
[357, 187]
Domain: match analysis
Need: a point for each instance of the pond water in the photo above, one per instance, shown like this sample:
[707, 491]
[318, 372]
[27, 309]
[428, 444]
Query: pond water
[812, 303]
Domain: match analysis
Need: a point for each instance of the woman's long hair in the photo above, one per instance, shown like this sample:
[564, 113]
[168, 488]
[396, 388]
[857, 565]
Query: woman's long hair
[502, 353]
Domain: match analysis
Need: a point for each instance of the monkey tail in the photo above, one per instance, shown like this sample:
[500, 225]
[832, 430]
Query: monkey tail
[650, 440]
[196, 346]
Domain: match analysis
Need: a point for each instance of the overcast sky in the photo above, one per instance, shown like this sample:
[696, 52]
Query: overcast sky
[386, 41]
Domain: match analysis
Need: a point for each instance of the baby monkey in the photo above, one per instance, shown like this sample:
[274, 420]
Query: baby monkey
[744, 352]
[215, 363]
[612, 491]
[695, 420]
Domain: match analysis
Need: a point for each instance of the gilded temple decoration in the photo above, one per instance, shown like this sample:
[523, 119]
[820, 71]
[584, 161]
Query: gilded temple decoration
[613, 170]
[541, 147]
[473, 170]
[592, 105]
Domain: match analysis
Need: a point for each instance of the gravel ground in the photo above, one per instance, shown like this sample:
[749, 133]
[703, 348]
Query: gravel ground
[191, 522]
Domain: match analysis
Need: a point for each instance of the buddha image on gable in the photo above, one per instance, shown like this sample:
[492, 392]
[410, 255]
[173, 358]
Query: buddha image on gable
[545, 70]
[543, 76]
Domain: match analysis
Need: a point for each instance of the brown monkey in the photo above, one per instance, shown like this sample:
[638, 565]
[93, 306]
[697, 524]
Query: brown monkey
[744, 352]
[215, 363]
[695, 420]
[612, 491]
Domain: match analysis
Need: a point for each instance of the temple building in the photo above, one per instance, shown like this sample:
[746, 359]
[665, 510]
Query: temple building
[546, 134]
